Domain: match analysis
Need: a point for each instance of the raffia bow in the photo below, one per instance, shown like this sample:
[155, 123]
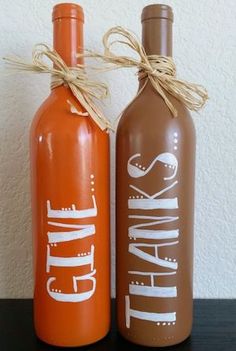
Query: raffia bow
[159, 70]
[83, 89]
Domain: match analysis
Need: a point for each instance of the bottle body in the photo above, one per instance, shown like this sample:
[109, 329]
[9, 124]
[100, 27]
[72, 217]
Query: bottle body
[155, 197]
[70, 204]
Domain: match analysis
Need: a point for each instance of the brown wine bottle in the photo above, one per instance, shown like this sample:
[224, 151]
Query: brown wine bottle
[155, 169]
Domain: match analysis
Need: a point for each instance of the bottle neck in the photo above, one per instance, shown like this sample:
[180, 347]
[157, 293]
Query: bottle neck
[157, 36]
[156, 40]
[68, 39]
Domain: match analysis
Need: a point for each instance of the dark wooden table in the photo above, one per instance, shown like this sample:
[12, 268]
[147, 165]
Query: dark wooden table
[214, 329]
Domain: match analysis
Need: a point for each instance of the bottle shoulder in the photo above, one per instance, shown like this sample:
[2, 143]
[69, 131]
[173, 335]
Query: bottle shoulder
[54, 115]
[148, 113]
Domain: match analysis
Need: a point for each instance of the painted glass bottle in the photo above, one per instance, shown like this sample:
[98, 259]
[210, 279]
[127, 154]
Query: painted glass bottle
[155, 166]
[70, 205]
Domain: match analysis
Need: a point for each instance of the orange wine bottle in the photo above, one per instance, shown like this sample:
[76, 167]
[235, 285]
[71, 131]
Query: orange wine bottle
[155, 199]
[70, 207]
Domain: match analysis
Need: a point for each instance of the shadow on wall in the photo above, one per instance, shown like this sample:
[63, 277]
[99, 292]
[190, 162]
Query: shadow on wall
[15, 218]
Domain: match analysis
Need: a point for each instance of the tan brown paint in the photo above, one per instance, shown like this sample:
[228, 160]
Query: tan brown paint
[147, 127]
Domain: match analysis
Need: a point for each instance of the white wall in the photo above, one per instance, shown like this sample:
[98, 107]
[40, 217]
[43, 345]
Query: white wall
[204, 50]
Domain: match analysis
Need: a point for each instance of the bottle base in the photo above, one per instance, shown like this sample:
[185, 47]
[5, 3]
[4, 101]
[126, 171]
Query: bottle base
[71, 344]
[156, 343]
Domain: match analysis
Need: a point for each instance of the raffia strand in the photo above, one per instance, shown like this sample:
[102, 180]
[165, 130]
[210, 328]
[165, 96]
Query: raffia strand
[84, 89]
[159, 70]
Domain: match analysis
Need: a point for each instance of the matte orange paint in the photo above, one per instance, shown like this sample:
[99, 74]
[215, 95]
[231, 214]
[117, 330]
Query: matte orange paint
[70, 172]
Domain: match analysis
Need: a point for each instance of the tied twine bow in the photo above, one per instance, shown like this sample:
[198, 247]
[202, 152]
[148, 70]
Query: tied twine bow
[83, 89]
[160, 70]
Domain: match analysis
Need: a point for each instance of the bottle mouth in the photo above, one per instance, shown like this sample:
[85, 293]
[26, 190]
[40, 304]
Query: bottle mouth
[68, 10]
[157, 11]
